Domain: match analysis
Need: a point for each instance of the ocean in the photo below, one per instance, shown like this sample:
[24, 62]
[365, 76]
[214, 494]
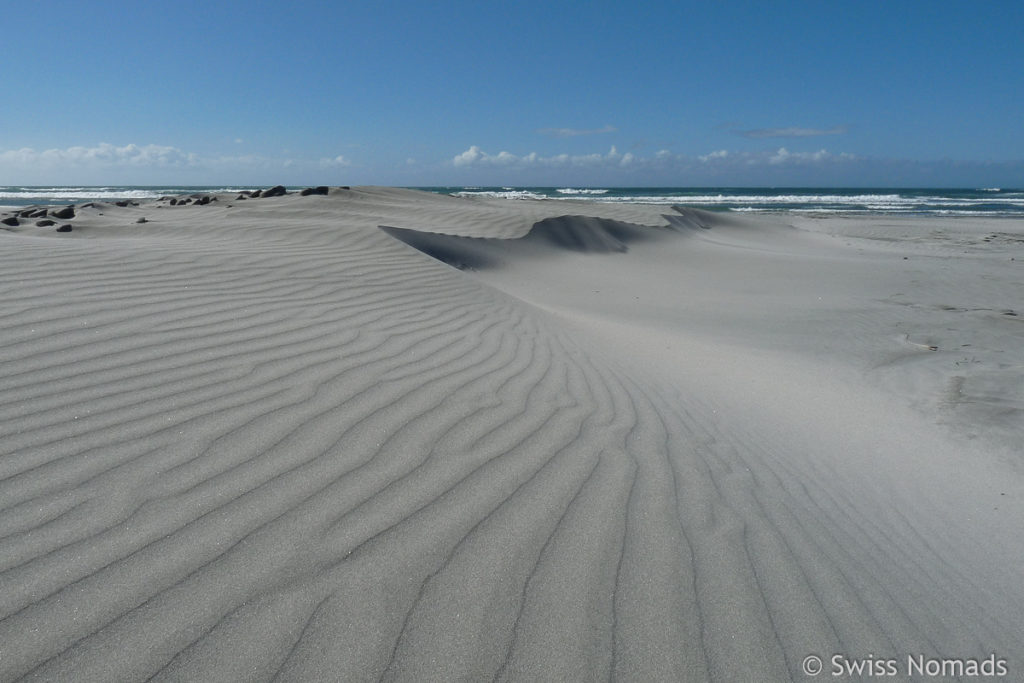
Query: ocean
[991, 201]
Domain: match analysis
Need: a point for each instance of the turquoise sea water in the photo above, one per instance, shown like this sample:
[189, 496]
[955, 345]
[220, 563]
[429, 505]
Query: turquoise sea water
[913, 201]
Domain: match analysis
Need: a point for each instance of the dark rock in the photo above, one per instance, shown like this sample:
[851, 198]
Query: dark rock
[65, 213]
[142, 220]
[344, 187]
[202, 201]
[257, 193]
[64, 228]
[174, 201]
[41, 213]
[322, 189]
[12, 221]
[240, 197]
[27, 213]
[45, 223]
[275, 191]
[91, 205]
[122, 204]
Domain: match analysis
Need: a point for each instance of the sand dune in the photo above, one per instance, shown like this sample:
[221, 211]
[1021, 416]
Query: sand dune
[268, 439]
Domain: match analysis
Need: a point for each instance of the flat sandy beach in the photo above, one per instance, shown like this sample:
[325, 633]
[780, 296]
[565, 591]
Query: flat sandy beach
[384, 434]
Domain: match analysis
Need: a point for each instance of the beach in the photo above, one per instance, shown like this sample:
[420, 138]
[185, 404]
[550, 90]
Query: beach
[385, 434]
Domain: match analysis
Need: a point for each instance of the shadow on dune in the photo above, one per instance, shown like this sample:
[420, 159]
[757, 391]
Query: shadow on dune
[581, 234]
[464, 253]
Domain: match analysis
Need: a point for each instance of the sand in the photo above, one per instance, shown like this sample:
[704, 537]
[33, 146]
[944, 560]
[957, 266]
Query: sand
[266, 439]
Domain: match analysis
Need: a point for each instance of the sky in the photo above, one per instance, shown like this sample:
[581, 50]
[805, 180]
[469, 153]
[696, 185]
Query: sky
[651, 93]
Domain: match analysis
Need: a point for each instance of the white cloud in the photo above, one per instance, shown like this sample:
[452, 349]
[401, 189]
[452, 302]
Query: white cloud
[504, 159]
[25, 155]
[779, 165]
[474, 156]
[784, 156]
[335, 162]
[469, 157]
[143, 164]
[573, 132]
[791, 132]
[718, 154]
[779, 157]
[101, 155]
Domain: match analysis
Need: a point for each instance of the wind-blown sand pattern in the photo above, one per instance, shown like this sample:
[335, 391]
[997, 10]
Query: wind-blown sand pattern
[269, 440]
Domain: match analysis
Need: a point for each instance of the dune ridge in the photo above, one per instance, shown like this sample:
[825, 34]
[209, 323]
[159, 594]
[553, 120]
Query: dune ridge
[267, 440]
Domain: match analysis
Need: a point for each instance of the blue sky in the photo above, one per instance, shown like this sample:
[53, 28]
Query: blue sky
[518, 93]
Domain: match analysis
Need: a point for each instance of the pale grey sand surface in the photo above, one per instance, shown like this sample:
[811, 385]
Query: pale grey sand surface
[269, 440]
